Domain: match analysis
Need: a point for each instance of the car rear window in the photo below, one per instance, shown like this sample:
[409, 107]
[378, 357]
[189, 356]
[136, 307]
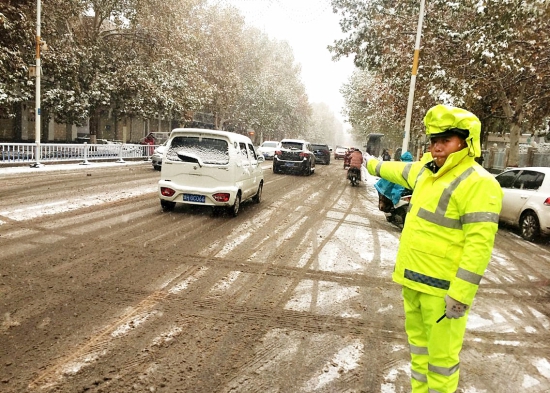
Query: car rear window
[292, 145]
[269, 144]
[320, 147]
[209, 150]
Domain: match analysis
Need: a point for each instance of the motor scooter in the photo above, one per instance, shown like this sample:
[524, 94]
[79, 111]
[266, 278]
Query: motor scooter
[397, 213]
[354, 175]
[394, 212]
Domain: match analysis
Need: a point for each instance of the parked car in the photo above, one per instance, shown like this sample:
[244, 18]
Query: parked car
[340, 152]
[321, 152]
[210, 168]
[267, 149]
[526, 202]
[156, 157]
[294, 155]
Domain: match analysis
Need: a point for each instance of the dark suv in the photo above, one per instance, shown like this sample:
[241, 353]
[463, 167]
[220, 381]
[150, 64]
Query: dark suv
[294, 155]
[322, 153]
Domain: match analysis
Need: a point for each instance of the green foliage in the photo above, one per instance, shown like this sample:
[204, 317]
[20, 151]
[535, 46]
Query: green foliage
[490, 57]
[17, 53]
[150, 59]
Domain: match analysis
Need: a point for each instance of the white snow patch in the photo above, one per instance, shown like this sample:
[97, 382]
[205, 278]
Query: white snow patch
[47, 209]
[343, 362]
[476, 322]
[225, 283]
[474, 390]
[541, 318]
[529, 382]
[168, 336]
[388, 386]
[189, 280]
[132, 324]
[306, 256]
[74, 367]
[398, 347]
[389, 307]
[512, 343]
[325, 298]
[232, 244]
[543, 366]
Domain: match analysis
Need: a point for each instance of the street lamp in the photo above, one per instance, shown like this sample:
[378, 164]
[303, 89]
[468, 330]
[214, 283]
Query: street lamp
[407, 136]
[38, 71]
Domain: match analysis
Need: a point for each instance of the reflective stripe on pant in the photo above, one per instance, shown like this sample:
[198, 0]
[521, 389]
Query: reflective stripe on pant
[434, 347]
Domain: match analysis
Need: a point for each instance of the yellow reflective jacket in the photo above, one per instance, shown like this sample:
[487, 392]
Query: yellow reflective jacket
[449, 232]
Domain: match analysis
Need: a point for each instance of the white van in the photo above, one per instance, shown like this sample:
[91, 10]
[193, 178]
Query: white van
[211, 168]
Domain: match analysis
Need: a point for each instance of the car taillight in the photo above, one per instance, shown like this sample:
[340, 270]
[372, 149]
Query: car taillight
[277, 152]
[165, 191]
[304, 155]
[221, 197]
[547, 201]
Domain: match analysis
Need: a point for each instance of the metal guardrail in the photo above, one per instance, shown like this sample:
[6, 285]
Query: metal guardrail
[495, 160]
[26, 153]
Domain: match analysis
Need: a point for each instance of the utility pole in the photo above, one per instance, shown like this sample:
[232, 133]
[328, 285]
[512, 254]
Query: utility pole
[38, 70]
[407, 136]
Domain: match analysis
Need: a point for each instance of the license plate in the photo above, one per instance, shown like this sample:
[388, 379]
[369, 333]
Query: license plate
[193, 198]
[289, 164]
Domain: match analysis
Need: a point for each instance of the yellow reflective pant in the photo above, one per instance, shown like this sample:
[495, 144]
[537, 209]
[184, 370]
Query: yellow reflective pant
[434, 347]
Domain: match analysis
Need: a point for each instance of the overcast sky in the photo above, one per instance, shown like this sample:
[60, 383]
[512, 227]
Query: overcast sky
[309, 26]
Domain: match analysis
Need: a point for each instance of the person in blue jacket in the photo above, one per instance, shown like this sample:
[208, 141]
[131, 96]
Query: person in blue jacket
[389, 193]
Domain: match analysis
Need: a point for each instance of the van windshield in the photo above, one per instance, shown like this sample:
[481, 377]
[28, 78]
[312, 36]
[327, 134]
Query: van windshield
[209, 150]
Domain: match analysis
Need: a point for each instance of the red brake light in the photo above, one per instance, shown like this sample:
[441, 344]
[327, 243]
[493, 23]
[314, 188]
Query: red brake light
[165, 191]
[277, 152]
[547, 201]
[303, 155]
[221, 197]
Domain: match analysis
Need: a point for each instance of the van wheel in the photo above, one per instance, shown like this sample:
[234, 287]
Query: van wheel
[234, 210]
[258, 197]
[167, 205]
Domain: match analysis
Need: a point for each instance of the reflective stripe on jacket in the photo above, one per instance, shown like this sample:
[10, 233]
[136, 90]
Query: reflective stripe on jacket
[449, 232]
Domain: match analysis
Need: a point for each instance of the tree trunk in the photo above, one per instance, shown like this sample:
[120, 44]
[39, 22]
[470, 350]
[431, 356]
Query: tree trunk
[94, 126]
[513, 157]
[515, 117]
[68, 132]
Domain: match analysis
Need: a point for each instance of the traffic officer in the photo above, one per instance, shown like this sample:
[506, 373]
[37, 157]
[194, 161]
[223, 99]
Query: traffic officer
[446, 242]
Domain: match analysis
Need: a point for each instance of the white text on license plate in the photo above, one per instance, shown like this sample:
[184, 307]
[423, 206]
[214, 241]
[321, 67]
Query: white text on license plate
[193, 198]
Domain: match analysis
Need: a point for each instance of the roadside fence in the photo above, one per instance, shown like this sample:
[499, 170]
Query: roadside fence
[495, 160]
[26, 153]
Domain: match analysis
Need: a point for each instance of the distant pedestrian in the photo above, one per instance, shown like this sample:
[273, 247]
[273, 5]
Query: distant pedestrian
[446, 242]
[386, 156]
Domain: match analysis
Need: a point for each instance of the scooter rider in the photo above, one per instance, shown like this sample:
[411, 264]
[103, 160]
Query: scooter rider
[446, 242]
[389, 193]
[356, 161]
[356, 158]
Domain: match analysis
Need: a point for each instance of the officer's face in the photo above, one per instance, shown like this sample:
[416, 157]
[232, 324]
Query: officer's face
[442, 147]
